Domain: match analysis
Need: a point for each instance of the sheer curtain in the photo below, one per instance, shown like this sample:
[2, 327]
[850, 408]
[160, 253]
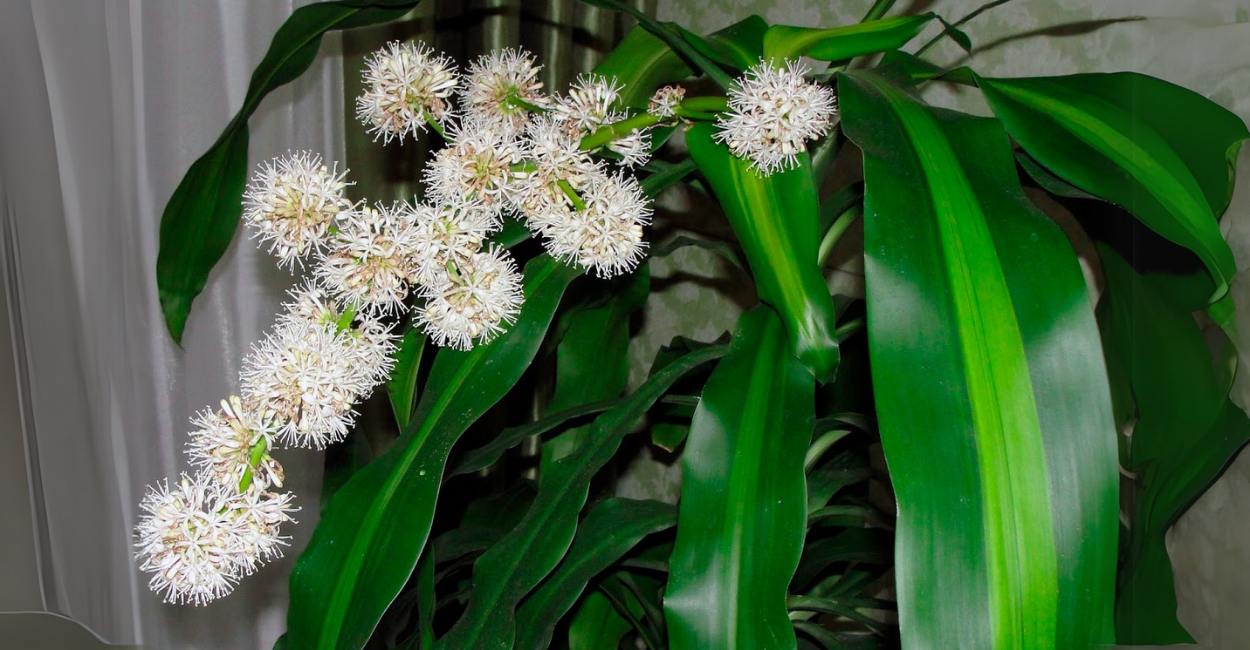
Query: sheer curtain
[104, 106]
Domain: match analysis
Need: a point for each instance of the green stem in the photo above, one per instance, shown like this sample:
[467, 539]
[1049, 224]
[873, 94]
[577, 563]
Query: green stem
[878, 9]
[610, 132]
[946, 31]
[572, 194]
[710, 104]
[516, 102]
[345, 319]
[836, 231]
[845, 330]
[438, 128]
[254, 455]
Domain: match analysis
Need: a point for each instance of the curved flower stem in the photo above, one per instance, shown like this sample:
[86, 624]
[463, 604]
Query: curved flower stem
[610, 132]
[255, 454]
[572, 194]
[709, 104]
[438, 128]
[516, 102]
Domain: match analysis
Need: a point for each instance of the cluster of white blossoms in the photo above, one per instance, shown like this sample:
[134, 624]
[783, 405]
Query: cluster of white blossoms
[773, 113]
[556, 163]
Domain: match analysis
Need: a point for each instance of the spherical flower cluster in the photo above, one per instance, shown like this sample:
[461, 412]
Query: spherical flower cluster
[224, 442]
[477, 166]
[773, 113]
[502, 87]
[291, 203]
[405, 85]
[447, 235]
[368, 260]
[470, 306]
[303, 374]
[606, 235]
[198, 537]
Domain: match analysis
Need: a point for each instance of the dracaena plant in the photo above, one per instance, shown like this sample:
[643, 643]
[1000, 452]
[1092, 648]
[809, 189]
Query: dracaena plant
[997, 382]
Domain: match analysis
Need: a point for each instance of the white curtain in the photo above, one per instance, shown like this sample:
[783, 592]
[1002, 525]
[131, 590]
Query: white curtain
[103, 106]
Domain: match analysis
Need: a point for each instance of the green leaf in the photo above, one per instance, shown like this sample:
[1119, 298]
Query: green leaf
[670, 33]
[740, 45]
[1187, 431]
[401, 388]
[511, 568]
[1162, 152]
[743, 494]
[607, 533]
[596, 624]
[592, 360]
[777, 221]
[642, 63]
[839, 43]
[200, 219]
[370, 537]
[991, 390]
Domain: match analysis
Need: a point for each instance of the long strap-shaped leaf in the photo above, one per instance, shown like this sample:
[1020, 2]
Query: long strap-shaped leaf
[203, 212]
[515, 565]
[991, 392]
[370, 537]
[789, 42]
[777, 220]
[1187, 430]
[1159, 150]
[743, 496]
[611, 530]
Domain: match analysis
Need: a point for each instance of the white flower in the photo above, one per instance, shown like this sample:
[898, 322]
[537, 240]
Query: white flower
[589, 102]
[552, 148]
[471, 306]
[449, 233]
[312, 302]
[258, 516]
[223, 441]
[189, 540]
[665, 102]
[369, 260]
[475, 167]
[372, 347]
[405, 84]
[305, 374]
[370, 343]
[605, 236]
[498, 82]
[291, 203]
[772, 115]
[635, 148]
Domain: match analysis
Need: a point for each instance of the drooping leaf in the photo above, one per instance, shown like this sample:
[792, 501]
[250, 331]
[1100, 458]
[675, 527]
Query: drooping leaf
[741, 522]
[672, 36]
[1118, 136]
[514, 566]
[203, 212]
[607, 533]
[1186, 432]
[1002, 450]
[739, 45]
[370, 537]
[776, 219]
[596, 624]
[838, 43]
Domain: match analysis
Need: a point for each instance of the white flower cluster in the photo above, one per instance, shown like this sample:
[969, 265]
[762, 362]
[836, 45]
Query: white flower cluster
[512, 152]
[772, 115]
